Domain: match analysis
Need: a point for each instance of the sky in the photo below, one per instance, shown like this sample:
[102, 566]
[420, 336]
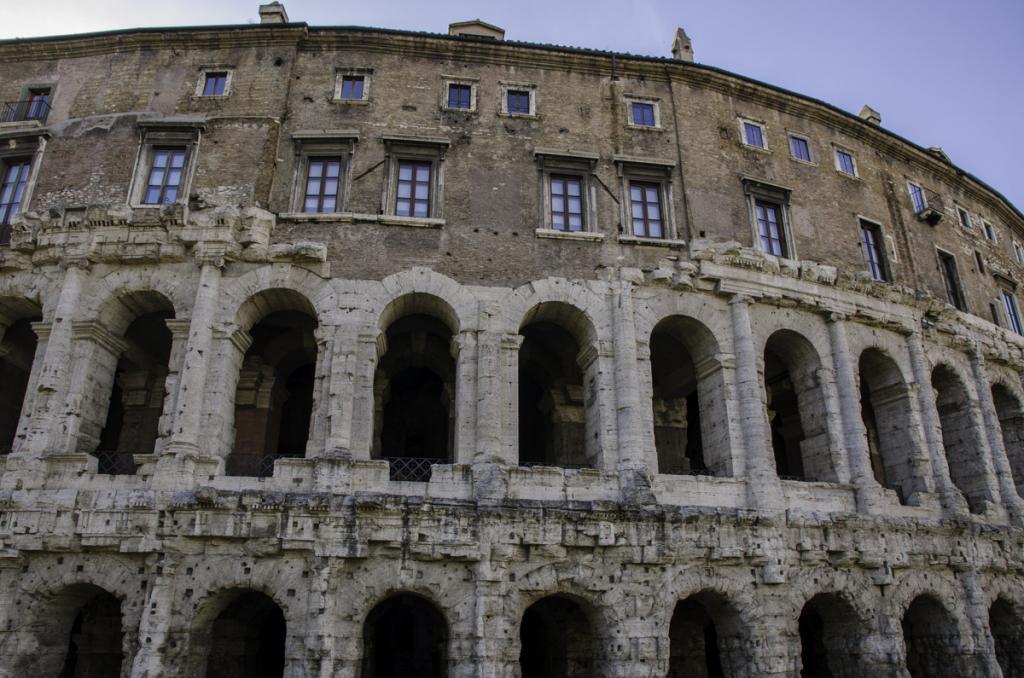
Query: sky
[941, 72]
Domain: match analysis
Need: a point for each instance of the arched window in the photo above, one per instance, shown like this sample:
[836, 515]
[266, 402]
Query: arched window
[274, 395]
[960, 438]
[885, 402]
[405, 635]
[831, 636]
[414, 392]
[84, 633]
[688, 404]
[706, 638]
[1011, 424]
[797, 409]
[557, 640]
[932, 640]
[1006, 623]
[247, 638]
[17, 351]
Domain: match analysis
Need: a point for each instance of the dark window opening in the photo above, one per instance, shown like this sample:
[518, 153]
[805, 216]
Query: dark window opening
[931, 638]
[694, 646]
[163, 182]
[17, 351]
[13, 183]
[784, 419]
[831, 637]
[323, 184]
[770, 228]
[1011, 427]
[405, 636]
[1006, 622]
[556, 640]
[247, 639]
[676, 403]
[95, 643]
[961, 439]
[413, 194]
[979, 262]
[566, 203]
[951, 279]
[460, 96]
[352, 87]
[874, 253]
[215, 84]
[518, 101]
[645, 209]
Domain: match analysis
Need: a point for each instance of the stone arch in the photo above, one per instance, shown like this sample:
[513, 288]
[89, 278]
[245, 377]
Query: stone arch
[832, 637]
[1006, 624]
[18, 345]
[238, 632]
[275, 395]
[124, 294]
[933, 644]
[512, 311]
[557, 638]
[961, 438]
[559, 411]
[688, 398]
[452, 303]
[251, 296]
[1011, 425]
[886, 409]
[707, 637]
[414, 387]
[405, 634]
[797, 408]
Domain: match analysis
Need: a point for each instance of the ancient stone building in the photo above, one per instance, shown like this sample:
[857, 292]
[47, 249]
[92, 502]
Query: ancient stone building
[350, 352]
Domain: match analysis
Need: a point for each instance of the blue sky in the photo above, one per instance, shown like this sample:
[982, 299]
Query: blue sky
[941, 72]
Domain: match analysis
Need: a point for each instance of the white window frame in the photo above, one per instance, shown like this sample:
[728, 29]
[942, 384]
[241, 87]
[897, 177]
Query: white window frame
[155, 134]
[339, 77]
[631, 99]
[229, 81]
[810, 150]
[505, 87]
[755, 191]
[836, 150]
[883, 246]
[911, 185]
[447, 81]
[990, 230]
[551, 162]
[650, 171]
[743, 122]
[1018, 252]
[962, 212]
[414, 149]
[328, 143]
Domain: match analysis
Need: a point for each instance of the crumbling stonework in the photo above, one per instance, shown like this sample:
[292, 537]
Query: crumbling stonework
[248, 440]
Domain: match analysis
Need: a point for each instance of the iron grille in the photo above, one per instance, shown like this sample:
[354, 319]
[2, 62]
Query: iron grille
[20, 111]
[412, 469]
[114, 463]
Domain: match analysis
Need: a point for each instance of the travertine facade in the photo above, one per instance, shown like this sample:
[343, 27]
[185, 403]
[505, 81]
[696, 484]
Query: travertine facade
[653, 447]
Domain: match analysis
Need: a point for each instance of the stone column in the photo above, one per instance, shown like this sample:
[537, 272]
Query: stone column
[491, 388]
[597, 362]
[155, 626]
[982, 656]
[179, 342]
[186, 436]
[316, 443]
[42, 332]
[371, 345]
[764, 490]
[628, 413]
[51, 388]
[949, 495]
[464, 348]
[854, 433]
[87, 402]
[993, 431]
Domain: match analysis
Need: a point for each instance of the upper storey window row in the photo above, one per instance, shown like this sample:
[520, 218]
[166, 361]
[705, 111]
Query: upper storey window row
[754, 135]
[33, 105]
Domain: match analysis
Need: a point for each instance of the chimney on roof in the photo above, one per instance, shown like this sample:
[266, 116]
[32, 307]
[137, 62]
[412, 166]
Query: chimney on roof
[682, 46]
[477, 29]
[871, 115]
[273, 13]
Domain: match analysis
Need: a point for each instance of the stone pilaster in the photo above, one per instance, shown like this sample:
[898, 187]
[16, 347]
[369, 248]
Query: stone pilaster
[464, 350]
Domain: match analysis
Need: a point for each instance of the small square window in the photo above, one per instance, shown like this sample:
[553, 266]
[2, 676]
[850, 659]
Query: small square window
[753, 134]
[874, 251]
[990, 231]
[460, 96]
[352, 87]
[14, 174]
[964, 216]
[645, 209]
[215, 84]
[642, 114]
[518, 101]
[800, 148]
[845, 162]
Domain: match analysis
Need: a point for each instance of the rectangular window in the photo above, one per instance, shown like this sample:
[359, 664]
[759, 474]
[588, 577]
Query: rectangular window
[964, 216]
[770, 227]
[165, 175]
[352, 87]
[518, 101]
[990, 231]
[1012, 316]
[845, 163]
[800, 148]
[979, 261]
[951, 279]
[871, 239]
[413, 195]
[1018, 252]
[917, 198]
[753, 134]
[642, 114]
[38, 104]
[460, 96]
[566, 203]
[216, 81]
[323, 181]
[645, 209]
[12, 189]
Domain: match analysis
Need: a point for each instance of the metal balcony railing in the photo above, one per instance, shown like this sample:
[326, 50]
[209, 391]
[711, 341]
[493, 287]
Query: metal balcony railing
[114, 463]
[933, 209]
[20, 111]
[255, 465]
[412, 469]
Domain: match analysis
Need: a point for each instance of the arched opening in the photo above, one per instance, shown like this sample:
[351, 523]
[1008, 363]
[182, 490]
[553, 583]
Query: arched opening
[414, 392]
[558, 406]
[705, 638]
[136, 392]
[1011, 424]
[690, 432]
[405, 635]
[960, 438]
[17, 351]
[797, 410]
[931, 639]
[885, 403]
[247, 639]
[1006, 623]
[831, 635]
[274, 395]
[556, 640]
